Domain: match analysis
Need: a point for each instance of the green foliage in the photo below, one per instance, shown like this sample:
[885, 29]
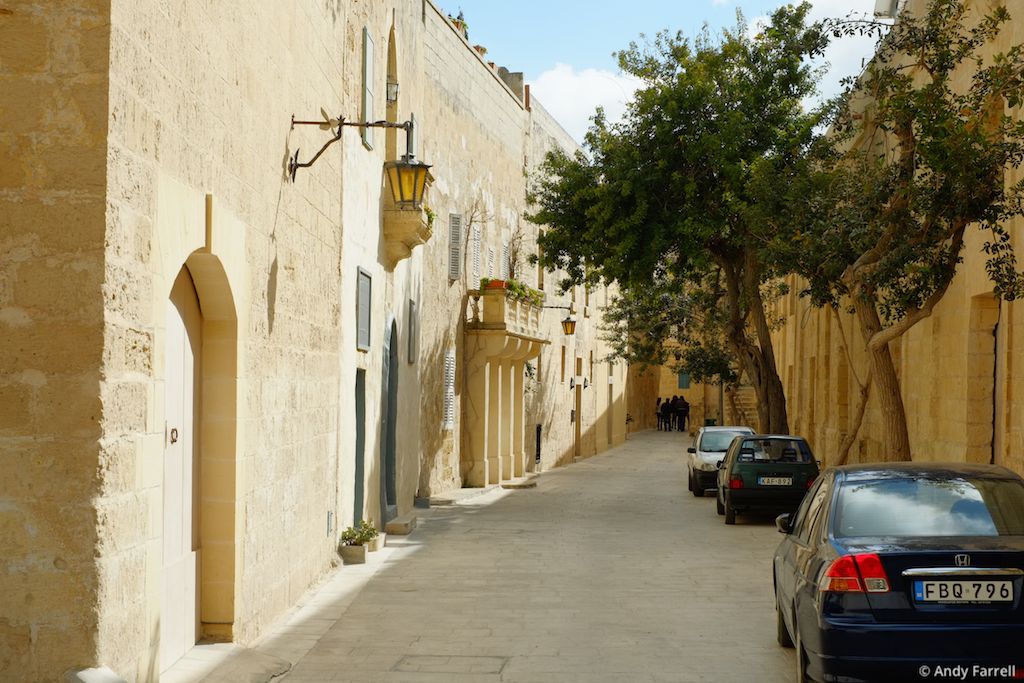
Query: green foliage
[666, 200]
[518, 291]
[360, 534]
[917, 154]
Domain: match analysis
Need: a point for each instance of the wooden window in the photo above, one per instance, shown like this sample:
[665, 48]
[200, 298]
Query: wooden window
[563, 365]
[684, 380]
[364, 304]
[490, 262]
[449, 390]
[540, 268]
[505, 265]
[367, 103]
[454, 246]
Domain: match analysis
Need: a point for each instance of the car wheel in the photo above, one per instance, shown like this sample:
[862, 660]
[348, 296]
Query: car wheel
[730, 513]
[695, 488]
[781, 631]
[718, 504]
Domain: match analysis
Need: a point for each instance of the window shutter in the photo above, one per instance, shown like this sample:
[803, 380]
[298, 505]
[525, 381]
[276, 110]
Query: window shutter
[476, 252]
[454, 246]
[367, 109]
[490, 261]
[364, 285]
[684, 380]
[414, 330]
[449, 390]
[505, 261]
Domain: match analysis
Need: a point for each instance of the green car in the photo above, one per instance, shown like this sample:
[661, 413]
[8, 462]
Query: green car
[765, 474]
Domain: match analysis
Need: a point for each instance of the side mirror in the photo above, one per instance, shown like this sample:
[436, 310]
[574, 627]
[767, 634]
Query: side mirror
[720, 463]
[783, 524]
[691, 449]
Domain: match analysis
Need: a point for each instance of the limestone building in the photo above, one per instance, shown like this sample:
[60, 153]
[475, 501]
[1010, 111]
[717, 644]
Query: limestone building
[959, 369]
[207, 367]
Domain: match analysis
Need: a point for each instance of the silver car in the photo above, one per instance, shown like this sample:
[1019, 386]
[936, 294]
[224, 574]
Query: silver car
[707, 451]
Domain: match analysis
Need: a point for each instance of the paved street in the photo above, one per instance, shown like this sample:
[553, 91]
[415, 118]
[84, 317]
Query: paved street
[609, 570]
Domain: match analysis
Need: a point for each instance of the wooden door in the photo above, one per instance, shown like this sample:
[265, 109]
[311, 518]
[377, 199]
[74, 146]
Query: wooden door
[179, 595]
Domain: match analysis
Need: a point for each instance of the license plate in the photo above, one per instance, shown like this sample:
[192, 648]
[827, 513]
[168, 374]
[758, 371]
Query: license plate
[963, 591]
[775, 481]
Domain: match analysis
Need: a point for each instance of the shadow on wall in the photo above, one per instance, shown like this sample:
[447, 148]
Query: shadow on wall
[439, 467]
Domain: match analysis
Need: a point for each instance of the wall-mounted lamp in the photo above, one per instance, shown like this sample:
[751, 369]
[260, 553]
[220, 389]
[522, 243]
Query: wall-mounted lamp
[409, 178]
[586, 383]
[572, 382]
[392, 92]
[569, 324]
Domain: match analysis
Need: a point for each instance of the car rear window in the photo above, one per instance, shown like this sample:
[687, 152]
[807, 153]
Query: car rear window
[718, 441]
[930, 507]
[774, 450]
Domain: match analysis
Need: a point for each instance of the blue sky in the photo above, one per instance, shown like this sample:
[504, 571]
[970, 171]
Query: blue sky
[565, 47]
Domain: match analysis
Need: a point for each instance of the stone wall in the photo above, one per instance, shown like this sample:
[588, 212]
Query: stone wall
[53, 119]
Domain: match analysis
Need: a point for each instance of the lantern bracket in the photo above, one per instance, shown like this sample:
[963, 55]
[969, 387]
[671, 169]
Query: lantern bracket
[336, 126]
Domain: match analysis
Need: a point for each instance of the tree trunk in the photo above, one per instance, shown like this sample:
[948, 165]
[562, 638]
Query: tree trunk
[883, 372]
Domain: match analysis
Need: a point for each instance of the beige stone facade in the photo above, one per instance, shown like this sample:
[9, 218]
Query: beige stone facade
[149, 150]
[960, 369]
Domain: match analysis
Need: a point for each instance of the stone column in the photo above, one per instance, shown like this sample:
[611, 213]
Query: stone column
[507, 419]
[493, 417]
[518, 419]
[475, 425]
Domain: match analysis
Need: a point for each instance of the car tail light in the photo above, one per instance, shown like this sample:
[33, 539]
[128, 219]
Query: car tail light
[810, 482]
[736, 483]
[873, 573]
[855, 574]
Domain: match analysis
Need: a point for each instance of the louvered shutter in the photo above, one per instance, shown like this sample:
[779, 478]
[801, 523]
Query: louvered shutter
[505, 261]
[454, 246]
[490, 261]
[364, 300]
[476, 252]
[449, 390]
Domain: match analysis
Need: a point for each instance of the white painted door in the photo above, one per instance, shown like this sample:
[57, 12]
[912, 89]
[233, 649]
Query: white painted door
[178, 606]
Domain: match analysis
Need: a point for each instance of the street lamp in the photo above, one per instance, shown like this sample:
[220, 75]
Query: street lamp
[569, 324]
[408, 177]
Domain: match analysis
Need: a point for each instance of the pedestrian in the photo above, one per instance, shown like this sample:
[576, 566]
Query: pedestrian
[685, 419]
[665, 417]
[677, 412]
[657, 412]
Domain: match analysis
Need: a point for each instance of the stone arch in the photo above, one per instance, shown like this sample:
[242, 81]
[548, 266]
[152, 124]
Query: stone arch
[391, 110]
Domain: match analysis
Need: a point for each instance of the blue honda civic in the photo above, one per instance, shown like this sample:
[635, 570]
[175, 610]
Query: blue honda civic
[904, 572]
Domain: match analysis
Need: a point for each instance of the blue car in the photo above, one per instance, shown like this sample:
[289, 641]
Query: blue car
[904, 572]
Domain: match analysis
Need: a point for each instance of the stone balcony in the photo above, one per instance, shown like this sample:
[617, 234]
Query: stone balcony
[491, 310]
[502, 335]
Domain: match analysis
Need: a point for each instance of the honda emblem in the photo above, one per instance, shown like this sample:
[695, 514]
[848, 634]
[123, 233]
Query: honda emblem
[962, 560]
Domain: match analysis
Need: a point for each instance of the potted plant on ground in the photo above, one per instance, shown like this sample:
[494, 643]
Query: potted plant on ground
[354, 541]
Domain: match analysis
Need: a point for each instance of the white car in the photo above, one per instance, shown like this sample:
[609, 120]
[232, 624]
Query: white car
[707, 451]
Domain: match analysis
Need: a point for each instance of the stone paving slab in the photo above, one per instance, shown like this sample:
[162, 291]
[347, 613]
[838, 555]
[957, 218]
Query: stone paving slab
[608, 570]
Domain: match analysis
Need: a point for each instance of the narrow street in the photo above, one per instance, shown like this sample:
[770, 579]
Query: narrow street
[609, 570]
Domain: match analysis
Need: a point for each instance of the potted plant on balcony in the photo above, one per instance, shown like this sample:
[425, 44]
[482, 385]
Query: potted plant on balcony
[488, 283]
[354, 541]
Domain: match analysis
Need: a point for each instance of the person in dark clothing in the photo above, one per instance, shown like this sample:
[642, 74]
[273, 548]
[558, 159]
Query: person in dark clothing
[665, 417]
[657, 412]
[684, 419]
[677, 412]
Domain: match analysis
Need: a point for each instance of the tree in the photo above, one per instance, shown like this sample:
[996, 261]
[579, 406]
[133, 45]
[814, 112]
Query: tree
[877, 220]
[664, 196]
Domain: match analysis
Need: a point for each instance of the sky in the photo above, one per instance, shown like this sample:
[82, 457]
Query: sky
[564, 47]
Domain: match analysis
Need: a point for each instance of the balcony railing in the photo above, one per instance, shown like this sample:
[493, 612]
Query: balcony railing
[491, 309]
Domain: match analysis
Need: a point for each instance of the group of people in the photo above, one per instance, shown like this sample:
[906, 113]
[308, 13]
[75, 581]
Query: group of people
[673, 414]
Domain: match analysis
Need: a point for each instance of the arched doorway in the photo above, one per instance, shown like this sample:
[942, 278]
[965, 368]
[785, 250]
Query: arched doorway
[179, 613]
[389, 426]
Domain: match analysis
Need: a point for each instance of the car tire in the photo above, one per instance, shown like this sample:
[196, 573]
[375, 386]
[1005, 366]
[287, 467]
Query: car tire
[718, 504]
[695, 488]
[730, 513]
[781, 631]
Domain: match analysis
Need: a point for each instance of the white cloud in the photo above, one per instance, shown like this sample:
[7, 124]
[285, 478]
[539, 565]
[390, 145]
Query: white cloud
[571, 96]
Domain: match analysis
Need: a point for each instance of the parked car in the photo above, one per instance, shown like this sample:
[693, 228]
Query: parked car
[889, 571]
[708, 449]
[764, 473]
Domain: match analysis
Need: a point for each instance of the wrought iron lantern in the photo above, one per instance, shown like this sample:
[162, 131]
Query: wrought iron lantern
[569, 325]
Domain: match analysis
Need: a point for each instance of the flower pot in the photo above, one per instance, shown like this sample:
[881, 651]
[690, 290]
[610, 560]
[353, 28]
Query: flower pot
[375, 545]
[496, 284]
[353, 554]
